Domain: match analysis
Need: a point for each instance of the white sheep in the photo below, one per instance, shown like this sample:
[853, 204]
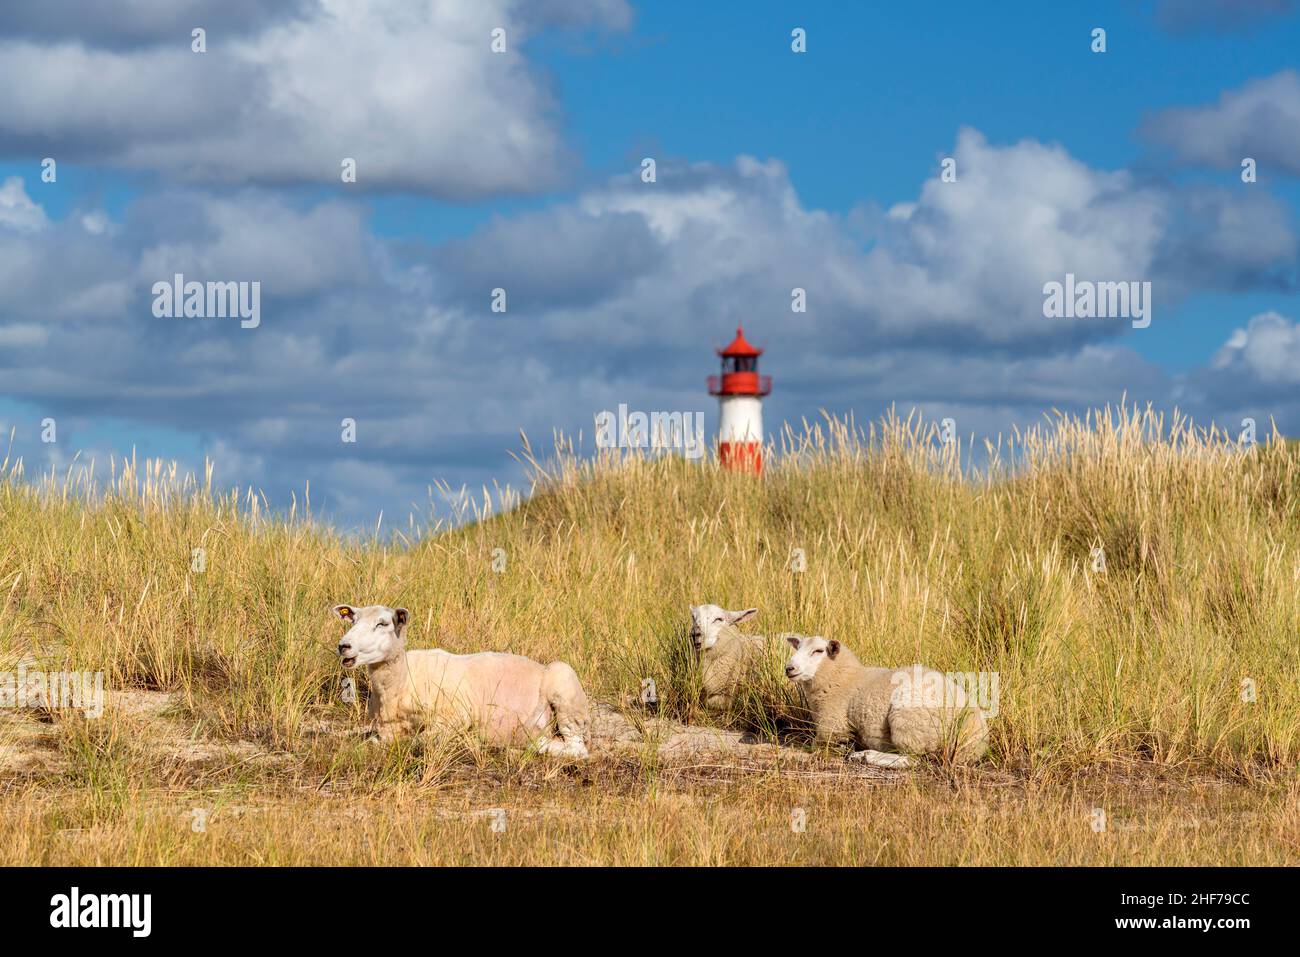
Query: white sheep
[507, 699]
[915, 710]
[725, 654]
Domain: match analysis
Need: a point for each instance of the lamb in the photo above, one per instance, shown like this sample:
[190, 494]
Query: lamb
[508, 699]
[725, 655]
[915, 710]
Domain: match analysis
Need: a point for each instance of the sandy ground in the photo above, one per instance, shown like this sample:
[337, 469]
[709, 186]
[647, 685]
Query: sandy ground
[29, 737]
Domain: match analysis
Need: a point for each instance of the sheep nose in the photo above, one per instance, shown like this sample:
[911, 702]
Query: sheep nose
[344, 647]
[789, 671]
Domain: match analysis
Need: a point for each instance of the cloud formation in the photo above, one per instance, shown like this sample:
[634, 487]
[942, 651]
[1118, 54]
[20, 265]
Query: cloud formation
[1265, 352]
[135, 23]
[1260, 120]
[413, 92]
[615, 296]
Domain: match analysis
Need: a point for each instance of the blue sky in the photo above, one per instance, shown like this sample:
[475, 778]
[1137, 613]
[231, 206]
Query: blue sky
[519, 170]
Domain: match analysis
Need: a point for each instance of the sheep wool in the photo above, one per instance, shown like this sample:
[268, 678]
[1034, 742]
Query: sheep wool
[725, 654]
[884, 710]
[507, 699]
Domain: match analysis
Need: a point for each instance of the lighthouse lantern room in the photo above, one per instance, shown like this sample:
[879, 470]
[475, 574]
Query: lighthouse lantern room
[740, 390]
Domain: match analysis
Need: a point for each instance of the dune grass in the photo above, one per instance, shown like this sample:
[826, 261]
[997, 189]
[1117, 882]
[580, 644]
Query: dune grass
[1131, 581]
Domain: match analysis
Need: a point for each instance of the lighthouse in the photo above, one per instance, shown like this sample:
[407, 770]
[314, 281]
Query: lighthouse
[740, 390]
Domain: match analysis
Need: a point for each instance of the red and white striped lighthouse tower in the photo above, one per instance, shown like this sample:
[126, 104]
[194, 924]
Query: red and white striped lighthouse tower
[740, 390]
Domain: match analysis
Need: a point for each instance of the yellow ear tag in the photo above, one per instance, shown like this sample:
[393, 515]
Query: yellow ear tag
[344, 613]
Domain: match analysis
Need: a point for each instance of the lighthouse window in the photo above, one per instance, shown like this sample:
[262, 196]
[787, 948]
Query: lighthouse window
[740, 364]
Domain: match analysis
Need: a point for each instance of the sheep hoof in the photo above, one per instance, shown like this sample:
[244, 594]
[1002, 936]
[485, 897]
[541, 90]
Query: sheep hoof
[564, 749]
[881, 759]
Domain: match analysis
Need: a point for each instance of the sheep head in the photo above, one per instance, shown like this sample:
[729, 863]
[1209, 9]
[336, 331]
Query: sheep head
[378, 633]
[809, 655]
[709, 621]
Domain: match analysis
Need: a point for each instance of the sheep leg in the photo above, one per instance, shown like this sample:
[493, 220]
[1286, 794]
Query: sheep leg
[561, 748]
[385, 732]
[881, 759]
[572, 738]
[568, 704]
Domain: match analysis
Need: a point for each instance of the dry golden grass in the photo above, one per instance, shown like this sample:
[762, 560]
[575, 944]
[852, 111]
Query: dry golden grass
[1125, 690]
[620, 815]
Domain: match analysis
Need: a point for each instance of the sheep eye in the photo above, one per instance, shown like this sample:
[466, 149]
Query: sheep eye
[817, 651]
[382, 624]
[717, 621]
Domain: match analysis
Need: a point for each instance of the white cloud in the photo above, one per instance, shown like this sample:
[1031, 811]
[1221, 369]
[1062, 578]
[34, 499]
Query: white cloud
[1267, 351]
[96, 222]
[410, 90]
[972, 256]
[961, 266]
[17, 210]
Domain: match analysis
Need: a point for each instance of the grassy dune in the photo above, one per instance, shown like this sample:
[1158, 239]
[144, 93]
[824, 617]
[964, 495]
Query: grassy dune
[1162, 691]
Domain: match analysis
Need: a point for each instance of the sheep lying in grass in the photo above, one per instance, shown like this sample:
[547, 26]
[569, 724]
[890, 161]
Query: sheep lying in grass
[915, 710]
[725, 655]
[508, 699]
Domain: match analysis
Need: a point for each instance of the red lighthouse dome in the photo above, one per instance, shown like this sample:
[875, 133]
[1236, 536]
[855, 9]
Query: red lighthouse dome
[740, 390]
[740, 369]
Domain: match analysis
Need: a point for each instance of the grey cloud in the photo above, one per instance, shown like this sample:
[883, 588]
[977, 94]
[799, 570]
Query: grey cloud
[1221, 239]
[1260, 120]
[61, 273]
[117, 24]
[287, 102]
[1187, 15]
[92, 104]
[256, 237]
[132, 23]
[559, 257]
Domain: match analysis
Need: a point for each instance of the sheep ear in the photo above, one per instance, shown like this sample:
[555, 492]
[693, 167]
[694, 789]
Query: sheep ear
[400, 616]
[738, 616]
[794, 641]
[832, 648]
[346, 612]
